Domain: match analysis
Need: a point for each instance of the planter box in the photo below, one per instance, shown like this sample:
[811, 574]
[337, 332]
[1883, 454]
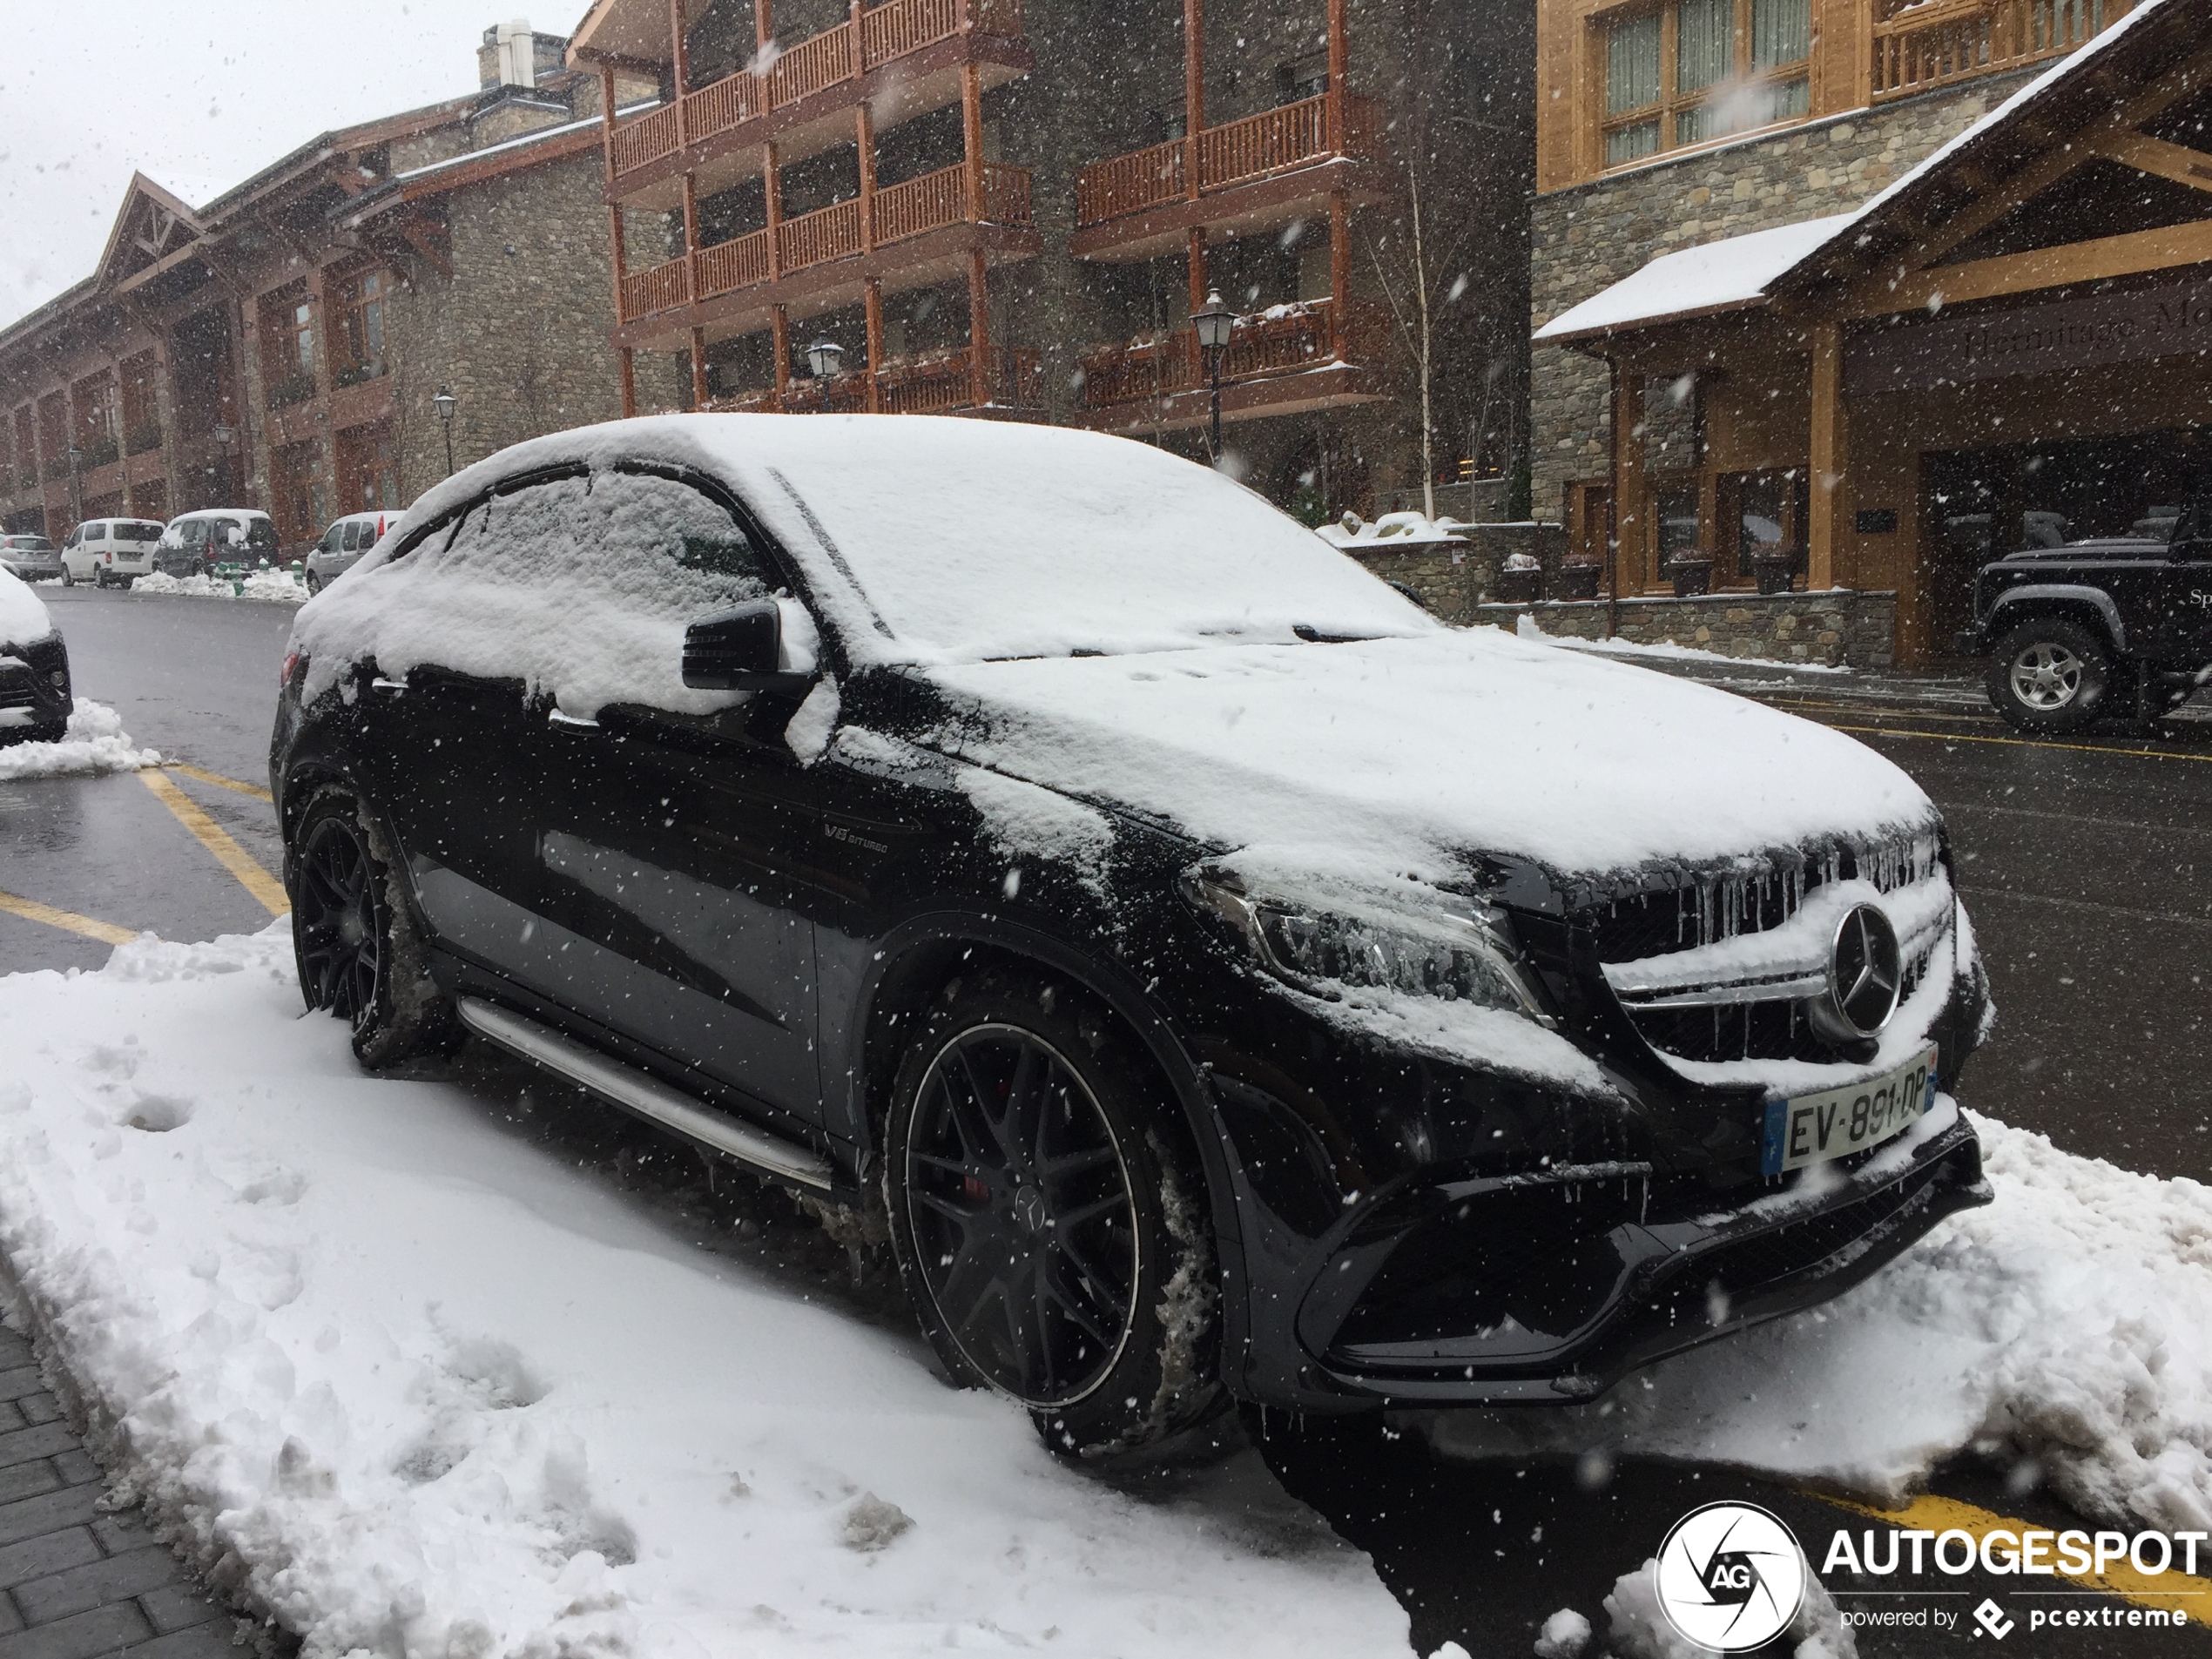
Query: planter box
[1693, 578]
[1579, 581]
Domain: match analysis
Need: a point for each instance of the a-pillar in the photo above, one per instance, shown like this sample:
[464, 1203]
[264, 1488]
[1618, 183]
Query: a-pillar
[875, 345]
[779, 347]
[1831, 456]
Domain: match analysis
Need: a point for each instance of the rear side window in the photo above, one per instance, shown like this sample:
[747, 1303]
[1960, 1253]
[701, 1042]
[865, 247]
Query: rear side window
[195, 532]
[260, 535]
[352, 542]
[139, 530]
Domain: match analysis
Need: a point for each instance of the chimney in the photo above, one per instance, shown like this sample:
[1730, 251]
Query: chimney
[517, 59]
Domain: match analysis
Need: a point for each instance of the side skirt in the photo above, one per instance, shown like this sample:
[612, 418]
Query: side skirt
[634, 1091]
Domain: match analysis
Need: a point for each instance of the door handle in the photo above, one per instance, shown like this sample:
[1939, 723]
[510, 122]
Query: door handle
[379, 684]
[555, 718]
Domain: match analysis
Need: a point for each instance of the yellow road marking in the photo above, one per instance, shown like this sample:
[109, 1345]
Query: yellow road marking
[69, 921]
[220, 782]
[232, 856]
[2174, 1591]
[2014, 743]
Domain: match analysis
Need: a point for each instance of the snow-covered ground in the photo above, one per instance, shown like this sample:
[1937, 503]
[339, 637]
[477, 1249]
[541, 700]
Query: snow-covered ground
[94, 742]
[275, 587]
[441, 1392]
[1529, 628]
[2066, 1330]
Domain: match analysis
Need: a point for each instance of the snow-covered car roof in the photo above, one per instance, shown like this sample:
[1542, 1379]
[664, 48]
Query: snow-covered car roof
[219, 512]
[23, 613]
[926, 540]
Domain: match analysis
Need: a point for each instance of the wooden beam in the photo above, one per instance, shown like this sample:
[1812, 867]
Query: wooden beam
[1339, 69]
[1194, 82]
[764, 22]
[699, 368]
[2176, 162]
[971, 111]
[875, 345]
[771, 189]
[1195, 261]
[419, 237]
[979, 329]
[1831, 455]
[2050, 267]
[680, 60]
[864, 141]
[627, 360]
[779, 346]
[1341, 267]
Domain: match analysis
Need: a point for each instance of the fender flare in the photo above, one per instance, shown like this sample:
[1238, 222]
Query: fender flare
[2069, 593]
[1126, 999]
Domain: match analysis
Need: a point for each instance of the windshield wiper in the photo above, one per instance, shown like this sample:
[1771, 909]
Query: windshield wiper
[1313, 636]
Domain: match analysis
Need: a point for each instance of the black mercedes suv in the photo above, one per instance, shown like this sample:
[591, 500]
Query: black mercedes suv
[1213, 977]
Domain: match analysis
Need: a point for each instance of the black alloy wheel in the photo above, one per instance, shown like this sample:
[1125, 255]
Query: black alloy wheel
[358, 954]
[1052, 1243]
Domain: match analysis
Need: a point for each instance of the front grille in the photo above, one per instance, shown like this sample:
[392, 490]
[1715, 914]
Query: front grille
[1741, 1013]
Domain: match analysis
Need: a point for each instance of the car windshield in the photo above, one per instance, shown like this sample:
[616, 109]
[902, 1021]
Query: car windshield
[31, 544]
[968, 544]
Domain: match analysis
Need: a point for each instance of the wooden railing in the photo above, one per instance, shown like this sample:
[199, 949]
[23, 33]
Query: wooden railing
[1939, 43]
[936, 384]
[924, 204]
[663, 288]
[1237, 152]
[1307, 337]
[730, 265]
[894, 30]
[831, 232]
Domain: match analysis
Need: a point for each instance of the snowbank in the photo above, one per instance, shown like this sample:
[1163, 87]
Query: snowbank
[23, 613]
[441, 1393]
[1529, 628]
[276, 587]
[94, 742]
[1392, 531]
[2069, 1323]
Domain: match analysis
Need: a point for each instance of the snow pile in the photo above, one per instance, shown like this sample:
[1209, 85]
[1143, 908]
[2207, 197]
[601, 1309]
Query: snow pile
[1398, 532]
[1565, 1635]
[440, 1393]
[93, 742]
[275, 587]
[1641, 1630]
[23, 613]
[2069, 1323]
[1529, 628]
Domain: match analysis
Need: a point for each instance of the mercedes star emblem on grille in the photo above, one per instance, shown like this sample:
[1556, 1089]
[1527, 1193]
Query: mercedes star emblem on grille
[1865, 970]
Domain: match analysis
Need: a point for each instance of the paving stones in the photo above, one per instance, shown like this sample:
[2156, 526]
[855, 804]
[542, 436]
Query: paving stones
[76, 1583]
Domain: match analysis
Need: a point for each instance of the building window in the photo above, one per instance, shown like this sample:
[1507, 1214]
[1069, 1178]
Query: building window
[288, 350]
[1693, 70]
[359, 339]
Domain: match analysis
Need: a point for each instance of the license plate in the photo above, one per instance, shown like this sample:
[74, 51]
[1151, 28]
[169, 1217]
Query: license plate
[1815, 1128]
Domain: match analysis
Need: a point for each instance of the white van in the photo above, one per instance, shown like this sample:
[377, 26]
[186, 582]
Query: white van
[107, 551]
[343, 543]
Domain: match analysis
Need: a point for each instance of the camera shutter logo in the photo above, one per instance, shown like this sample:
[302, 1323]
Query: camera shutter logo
[1731, 1577]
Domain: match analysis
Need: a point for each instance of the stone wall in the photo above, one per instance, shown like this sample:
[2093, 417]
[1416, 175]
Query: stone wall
[1590, 236]
[1455, 580]
[1839, 627]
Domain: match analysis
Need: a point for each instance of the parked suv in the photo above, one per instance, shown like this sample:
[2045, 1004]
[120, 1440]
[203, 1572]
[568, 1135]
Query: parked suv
[195, 544]
[343, 545]
[32, 558]
[108, 551]
[1213, 977]
[2120, 626]
[35, 699]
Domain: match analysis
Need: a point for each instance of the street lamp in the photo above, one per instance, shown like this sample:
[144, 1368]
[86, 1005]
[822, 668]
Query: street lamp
[1215, 323]
[824, 357]
[447, 405]
[226, 436]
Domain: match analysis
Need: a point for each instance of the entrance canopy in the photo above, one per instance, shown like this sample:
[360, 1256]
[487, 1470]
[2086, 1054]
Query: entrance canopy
[2034, 299]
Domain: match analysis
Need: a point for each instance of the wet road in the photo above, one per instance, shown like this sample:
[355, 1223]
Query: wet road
[2084, 864]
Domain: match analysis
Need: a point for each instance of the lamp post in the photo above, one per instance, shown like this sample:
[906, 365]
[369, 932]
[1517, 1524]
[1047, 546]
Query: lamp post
[1215, 323]
[826, 357]
[225, 436]
[447, 405]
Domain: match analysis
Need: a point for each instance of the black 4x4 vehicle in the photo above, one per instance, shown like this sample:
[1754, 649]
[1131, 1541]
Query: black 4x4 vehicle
[2117, 626]
[1214, 975]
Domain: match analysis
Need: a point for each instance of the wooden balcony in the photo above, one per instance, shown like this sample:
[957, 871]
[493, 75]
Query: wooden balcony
[1940, 43]
[937, 384]
[880, 222]
[1312, 356]
[901, 58]
[1258, 173]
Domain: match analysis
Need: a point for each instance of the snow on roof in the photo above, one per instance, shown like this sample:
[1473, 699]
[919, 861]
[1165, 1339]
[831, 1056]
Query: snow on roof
[1698, 281]
[541, 135]
[1740, 270]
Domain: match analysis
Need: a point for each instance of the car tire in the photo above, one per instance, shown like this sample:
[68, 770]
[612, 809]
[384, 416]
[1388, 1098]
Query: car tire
[2050, 675]
[1049, 1224]
[69, 578]
[315, 584]
[355, 940]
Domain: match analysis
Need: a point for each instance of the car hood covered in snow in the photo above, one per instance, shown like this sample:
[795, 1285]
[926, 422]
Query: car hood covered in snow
[1399, 758]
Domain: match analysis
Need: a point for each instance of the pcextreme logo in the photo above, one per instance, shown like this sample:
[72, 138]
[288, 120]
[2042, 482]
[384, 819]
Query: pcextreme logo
[1731, 1577]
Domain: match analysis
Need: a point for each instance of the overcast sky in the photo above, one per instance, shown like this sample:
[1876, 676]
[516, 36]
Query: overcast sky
[199, 96]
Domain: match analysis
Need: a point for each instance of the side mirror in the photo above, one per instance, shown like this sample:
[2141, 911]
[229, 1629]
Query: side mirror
[742, 649]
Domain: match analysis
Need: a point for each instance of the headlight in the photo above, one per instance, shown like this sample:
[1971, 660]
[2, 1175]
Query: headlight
[1326, 945]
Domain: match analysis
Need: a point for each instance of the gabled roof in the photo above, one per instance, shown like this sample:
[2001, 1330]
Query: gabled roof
[1743, 273]
[151, 224]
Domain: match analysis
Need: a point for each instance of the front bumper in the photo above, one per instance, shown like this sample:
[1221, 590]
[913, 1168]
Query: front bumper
[1551, 1288]
[38, 694]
